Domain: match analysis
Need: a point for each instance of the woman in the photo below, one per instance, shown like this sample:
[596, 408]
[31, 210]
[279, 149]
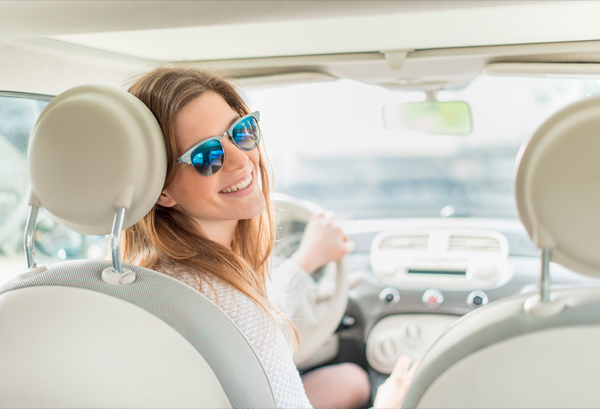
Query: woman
[212, 226]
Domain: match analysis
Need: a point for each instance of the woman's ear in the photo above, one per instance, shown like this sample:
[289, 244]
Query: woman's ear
[165, 200]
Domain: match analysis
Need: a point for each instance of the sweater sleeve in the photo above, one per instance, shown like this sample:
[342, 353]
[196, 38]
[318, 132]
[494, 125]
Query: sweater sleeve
[289, 286]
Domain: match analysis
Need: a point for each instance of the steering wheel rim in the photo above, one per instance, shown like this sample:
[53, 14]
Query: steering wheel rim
[314, 325]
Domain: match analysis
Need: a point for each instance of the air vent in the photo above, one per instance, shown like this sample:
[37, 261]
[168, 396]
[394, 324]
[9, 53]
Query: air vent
[409, 242]
[474, 243]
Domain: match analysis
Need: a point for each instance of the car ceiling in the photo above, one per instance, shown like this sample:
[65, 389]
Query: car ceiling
[397, 44]
[46, 18]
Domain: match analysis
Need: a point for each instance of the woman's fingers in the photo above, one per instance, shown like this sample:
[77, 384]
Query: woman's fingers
[323, 241]
[401, 367]
[349, 245]
[392, 392]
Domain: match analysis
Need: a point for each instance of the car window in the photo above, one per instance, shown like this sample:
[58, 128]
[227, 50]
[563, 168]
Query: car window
[52, 242]
[17, 117]
[327, 144]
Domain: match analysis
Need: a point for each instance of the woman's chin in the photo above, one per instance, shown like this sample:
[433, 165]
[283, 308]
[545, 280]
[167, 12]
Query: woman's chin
[256, 209]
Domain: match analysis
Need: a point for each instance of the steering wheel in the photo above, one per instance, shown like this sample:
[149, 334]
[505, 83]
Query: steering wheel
[320, 313]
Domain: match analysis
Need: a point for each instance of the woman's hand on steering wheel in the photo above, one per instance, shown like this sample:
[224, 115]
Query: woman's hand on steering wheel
[323, 241]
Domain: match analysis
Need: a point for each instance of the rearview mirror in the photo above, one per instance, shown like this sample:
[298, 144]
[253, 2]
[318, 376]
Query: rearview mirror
[434, 117]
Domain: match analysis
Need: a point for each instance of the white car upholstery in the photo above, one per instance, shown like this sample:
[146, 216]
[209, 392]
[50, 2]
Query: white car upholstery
[82, 334]
[536, 350]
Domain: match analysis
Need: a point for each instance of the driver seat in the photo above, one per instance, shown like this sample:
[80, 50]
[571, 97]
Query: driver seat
[100, 333]
[535, 350]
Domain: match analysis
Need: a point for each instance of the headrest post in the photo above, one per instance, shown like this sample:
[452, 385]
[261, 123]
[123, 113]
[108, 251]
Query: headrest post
[29, 235]
[117, 228]
[545, 277]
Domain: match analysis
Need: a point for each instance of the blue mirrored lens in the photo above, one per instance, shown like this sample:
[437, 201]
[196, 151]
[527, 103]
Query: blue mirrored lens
[207, 158]
[246, 134]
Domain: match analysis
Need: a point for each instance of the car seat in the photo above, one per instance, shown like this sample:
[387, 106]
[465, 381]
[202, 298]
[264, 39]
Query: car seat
[101, 333]
[535, 350]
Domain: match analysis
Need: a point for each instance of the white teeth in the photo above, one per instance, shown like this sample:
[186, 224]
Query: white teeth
[238, 186]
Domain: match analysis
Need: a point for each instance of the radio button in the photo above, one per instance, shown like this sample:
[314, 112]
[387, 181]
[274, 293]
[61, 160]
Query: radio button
[389, 297]
[433, 298]
[477, 299]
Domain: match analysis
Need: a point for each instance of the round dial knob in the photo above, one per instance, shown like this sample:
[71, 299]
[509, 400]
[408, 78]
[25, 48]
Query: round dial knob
[477, 299]
[433, 298]
[390, 297]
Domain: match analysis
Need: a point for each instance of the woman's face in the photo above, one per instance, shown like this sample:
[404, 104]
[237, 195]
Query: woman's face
[204, 197]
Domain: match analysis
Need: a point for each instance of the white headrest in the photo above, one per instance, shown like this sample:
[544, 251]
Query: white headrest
[93, 149]
[558, 186]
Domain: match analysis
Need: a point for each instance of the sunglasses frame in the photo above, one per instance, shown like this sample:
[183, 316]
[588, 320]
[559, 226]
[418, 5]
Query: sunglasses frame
[186, 157]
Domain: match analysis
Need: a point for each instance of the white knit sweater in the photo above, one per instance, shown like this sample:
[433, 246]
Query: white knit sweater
[270, 339]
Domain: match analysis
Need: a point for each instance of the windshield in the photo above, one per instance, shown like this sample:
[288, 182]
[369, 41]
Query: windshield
[327, 144]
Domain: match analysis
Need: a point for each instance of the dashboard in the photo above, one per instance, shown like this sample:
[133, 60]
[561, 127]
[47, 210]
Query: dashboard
[413, 278]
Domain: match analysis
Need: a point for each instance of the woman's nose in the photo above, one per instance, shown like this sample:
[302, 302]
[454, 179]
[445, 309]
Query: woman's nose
[235, 158]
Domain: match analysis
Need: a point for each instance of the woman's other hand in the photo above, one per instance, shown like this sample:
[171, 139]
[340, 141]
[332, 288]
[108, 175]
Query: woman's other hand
[391, 393]
[323, 241]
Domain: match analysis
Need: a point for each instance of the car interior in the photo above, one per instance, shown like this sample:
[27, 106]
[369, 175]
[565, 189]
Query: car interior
[454, 140]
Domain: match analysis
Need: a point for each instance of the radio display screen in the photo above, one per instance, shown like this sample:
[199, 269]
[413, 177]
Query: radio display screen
[442, 272]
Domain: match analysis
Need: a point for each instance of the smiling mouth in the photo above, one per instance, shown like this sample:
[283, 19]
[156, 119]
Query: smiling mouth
[238, 186]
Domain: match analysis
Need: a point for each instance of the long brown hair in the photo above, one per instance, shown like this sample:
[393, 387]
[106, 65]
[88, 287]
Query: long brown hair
[166, 239]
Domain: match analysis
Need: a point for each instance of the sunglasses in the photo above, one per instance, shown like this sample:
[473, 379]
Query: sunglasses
[207, 157]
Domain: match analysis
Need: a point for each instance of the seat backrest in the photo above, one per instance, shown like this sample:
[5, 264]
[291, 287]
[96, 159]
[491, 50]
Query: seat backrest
[99, 333]
[538, 349]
